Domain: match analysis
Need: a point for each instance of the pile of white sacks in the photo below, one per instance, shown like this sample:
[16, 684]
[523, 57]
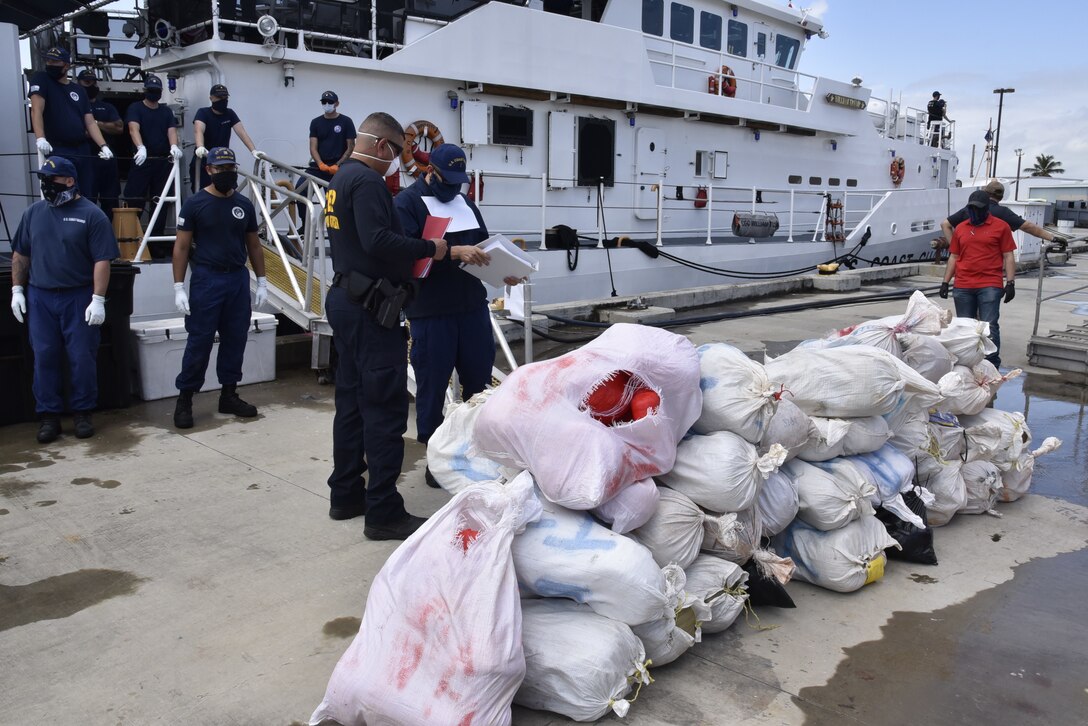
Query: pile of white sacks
[576, 553]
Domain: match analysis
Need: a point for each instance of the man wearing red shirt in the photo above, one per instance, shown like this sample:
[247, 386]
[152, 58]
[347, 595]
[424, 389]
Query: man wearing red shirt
[982, 249]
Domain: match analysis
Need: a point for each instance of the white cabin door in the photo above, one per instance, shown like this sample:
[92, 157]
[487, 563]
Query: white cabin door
[649, 170]
[561, 156]
[942, 177]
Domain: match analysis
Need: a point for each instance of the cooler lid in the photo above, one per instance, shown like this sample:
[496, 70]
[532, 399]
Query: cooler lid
[169, 328]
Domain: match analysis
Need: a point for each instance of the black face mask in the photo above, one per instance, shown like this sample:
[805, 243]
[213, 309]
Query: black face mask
[56, 193]
[153, 94]
[55, 72]
[225, 181]
[442, 191]
[220, 105]
[977, 216]
[92, 92]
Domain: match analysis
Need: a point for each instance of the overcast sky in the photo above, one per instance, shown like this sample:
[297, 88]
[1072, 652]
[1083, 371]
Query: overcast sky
[965, 49]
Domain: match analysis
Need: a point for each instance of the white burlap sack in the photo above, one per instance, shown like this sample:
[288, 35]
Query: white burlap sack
[737, 538]
[1014, 435]
[440, 640]
[1016, 481]
[790, 427]
[631, 508]
[577, 663]
[778, 503]
[827, 439]
[982, 481]
[539, 411]
[720, 585]
[737, 396]
[968, 340]
[892, 473]
[944, 480]
[909, 425]
[566, 554]
[721, 471]
[670, 636]
[676, 531]
[921, 316]
[967, 391]
[843, 559]
[829, 501]
[926, 354]
[865, 435]
[449, 455]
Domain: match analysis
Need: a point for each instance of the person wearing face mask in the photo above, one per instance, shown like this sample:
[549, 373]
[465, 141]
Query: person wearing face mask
[107, 185]
[61, 118]
[212, 126]
[450, 323]
[372, 258]
[332, 138]
[154, 133]
[60, 270]
[982, 249]
[217, 232]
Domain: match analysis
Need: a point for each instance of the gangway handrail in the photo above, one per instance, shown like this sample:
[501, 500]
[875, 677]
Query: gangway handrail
[1039, 298]
[173, 178]
[274, 234]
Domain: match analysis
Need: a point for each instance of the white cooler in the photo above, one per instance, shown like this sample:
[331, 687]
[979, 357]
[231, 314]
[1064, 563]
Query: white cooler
[160, 345]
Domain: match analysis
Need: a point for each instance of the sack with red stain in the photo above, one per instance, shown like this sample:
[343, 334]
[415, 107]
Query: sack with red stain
[538, 418]
[440, 641]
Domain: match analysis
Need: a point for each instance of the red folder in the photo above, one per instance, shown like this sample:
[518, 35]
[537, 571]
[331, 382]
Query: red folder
[433, 228]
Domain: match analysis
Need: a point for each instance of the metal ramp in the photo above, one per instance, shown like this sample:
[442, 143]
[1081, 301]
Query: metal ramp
[1060, 350]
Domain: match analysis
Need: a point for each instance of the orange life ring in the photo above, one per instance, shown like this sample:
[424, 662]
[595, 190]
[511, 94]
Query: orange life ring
[898, 170]
[729, 82]
[414, 160]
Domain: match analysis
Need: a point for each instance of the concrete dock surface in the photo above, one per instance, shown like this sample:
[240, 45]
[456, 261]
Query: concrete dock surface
[150, 576]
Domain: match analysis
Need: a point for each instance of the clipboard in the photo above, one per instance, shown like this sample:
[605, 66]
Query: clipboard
[507, 260]
[433, 228]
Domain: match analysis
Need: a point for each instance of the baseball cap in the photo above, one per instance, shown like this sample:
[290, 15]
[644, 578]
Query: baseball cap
[86, 75]
[979, 199]
[329, 97]
[57, 166]
[59, 54]
[219, 91]
[995, 189]
[152, 82]
[221, 156]
[936, 93]
[449, 161]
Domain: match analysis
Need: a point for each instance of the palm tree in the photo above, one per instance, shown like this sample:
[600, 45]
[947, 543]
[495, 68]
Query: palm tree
[1045, 165]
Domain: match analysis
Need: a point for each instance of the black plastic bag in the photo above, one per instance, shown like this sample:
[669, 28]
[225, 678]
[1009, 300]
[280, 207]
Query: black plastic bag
[917, 543]
[765, 590]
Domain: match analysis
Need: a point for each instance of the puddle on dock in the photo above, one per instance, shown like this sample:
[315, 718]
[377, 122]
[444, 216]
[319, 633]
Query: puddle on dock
[62, 595]
[345, 627]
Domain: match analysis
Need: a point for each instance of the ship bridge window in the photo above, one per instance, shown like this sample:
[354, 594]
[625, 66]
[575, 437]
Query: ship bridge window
[795, 179]
[710, 30]
[511, 126]
[834, 181]
[596, 151]
[851, 182]
[682, 23]
[815, 181]
[761, 45]
[785, 51]
[737, 42]
[653, 17]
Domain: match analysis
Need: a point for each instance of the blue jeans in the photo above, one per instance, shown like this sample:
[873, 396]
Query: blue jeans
[982, 303]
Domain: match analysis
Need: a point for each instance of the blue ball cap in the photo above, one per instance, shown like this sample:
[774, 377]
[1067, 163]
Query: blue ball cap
[221, 156]
[59, 54]
[329, 97]
[152, 82]
[86, 75]
[57, 166]
[449, 161]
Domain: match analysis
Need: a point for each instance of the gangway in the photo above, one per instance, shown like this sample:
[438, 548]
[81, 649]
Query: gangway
[1062, 350]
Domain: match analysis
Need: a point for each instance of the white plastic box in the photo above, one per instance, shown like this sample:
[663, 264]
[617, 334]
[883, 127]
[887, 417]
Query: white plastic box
[160, 345]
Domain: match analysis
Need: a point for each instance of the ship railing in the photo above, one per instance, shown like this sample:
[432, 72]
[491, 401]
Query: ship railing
[170, 194]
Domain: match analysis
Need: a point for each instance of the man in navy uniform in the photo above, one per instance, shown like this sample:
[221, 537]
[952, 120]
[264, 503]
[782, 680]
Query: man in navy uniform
[212, 127]
[61, 119]
[332, 137]
[107, 185]
[62, 251]
[216, 233]
[373, 260]
[154, 133]
[450, 322]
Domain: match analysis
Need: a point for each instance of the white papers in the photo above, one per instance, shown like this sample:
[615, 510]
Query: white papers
[507, 260]
[457, 209]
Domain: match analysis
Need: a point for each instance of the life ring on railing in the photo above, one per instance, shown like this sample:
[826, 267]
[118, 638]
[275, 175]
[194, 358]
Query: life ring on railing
[415, 160]
[726, 82]
[898, 170]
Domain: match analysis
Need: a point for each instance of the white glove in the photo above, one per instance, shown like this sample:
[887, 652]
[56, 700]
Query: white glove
[44, 146]
[175, 152]
[201, 152]
[258, 154]
[96, 311]
[141, 156]
[261, 296]
[18, 302]
[106, 153]
[181, 300]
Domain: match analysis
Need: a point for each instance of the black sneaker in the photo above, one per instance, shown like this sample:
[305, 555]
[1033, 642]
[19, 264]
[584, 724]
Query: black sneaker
[229, 402]
[397, 529]
[351, 511]
[84, 427]
[429, 478]
[49, 430]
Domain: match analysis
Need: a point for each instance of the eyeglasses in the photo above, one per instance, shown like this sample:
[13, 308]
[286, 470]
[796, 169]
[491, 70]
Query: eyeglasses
[398, 148]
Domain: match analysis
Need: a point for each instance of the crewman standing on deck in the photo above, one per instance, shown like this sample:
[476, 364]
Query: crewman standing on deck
[332, 138]
[154, 133]
[107, 185]
[212, 127]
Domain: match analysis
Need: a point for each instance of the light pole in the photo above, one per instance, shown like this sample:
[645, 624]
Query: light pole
[997, 134]
[1019, 155]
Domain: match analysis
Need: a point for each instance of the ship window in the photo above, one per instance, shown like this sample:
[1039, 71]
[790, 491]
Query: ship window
[653, 17]
[737, 43]
[761, 45]
[851, 182]
[785, 51]
[700, 162]
[815, 181]
[513, 126]
[596, 151]
[682, 23]
[795, 179]
[834, 181]
[710, 30]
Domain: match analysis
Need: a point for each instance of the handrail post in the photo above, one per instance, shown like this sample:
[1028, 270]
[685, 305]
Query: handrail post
[790, 237]
[600, 214]
[527, 313]
[1039, 292]
[709, 211]
[660, 209]
[543, 210]
[753, 200]
[215, 19]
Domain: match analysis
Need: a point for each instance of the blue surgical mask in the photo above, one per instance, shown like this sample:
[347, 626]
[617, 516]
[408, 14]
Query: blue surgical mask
[328, 107]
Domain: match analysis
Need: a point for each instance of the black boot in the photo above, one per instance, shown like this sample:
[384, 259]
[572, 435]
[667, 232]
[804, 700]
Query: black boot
[84, 427]
[183, 411]
[49, 430]
[229, 402]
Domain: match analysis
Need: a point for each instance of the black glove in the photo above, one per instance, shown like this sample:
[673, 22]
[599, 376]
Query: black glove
[1010, 291]
[944, 291]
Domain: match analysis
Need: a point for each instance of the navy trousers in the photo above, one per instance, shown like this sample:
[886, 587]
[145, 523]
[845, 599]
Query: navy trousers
[371, 410]
[84, 160]
[441, 344]
[982, 303]
[108, 185]
[218, 302]
[144, 181]
[57, 327]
